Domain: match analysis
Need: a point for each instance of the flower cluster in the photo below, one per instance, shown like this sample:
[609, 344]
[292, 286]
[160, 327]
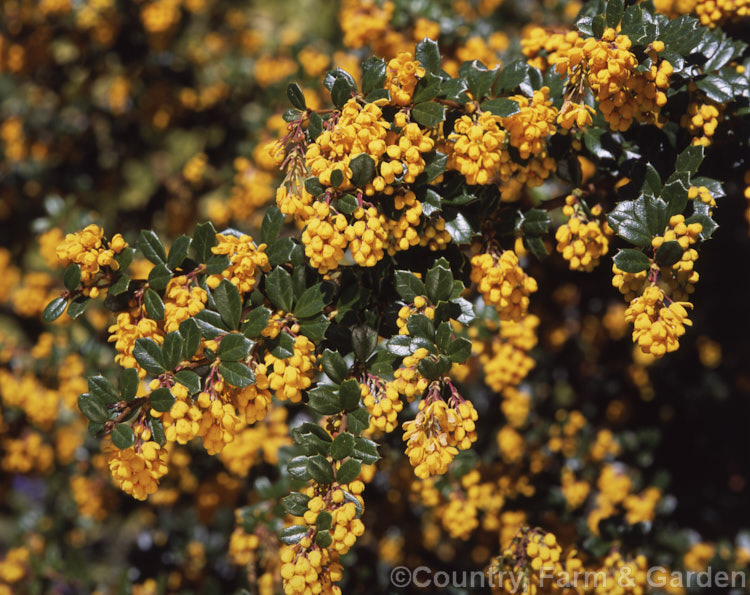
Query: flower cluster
[502, 283]
[89, 250]
[657, 326]
[137, 470]
[436, 435]
[581, 241]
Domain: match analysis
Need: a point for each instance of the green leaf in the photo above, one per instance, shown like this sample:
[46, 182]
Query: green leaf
[297, 469]
[280, 251]
[129, 382]
[172, 350]
[364, 341]
[324, 520]
[204, 239]
[237, 374]
[228, 303]
[313, 300]
[511, 76]
[715, 88]
[191, 335]
[293, 534]
[325, 400]
[279, 289]
[501, 106]
[479, 79]
[189, 379]
[358, 421]
[597, 25]
[435, 164]
[535, 222]
[346, 204]
[255, 322]
[151, 247]
[439, 283]
[348, 471]
[428, 114]
[429, 368]
[323, 539]
[421, 326]
[273, 221]
[148, 355]
[342, 90]
[443, 336]
[72, 277]
[690, 159]
[400, 345]
[54, 309]
[675, 192]
[668, 253]
[427, 88]
[124, 258]
[427, 53]
[615, 10]
[210, 324]
[157, 430]
[234, 347]
[459, 350]
[365, 450]
[342, 446]
[161, 399]
[159, 277]
[296, 96]
[120, 286]
[123, 436]
[628, 220]
[320, 469]
[349, 393]
[632, 261]
[460, 229]
[217, 263]
[77, 306]
[103, 389]
[282, 346]
[373, 74]
[179, 251]
[296, 503]
[154, 305]
[709, 225]
[363, 170]
[314, 328]
[93, 408]
[334, 366]
[408, 286]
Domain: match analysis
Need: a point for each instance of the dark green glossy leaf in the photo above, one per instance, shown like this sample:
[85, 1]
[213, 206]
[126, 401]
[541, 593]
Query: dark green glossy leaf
[228, 303]
[237, 374]
[632, 261]
[234, 347]
[151, 247]
[54, 309]
[342, 446]
[72, 277]
[123, 436]
[153, 304]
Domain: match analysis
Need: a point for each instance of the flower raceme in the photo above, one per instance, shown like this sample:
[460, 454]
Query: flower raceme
[657, 326]
[502, 283]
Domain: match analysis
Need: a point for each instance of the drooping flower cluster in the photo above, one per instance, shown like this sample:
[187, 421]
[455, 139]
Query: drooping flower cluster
[657, 326]
[502, 283]
[90, 251]
[247, 260]
[137, 470]
[436, 435]
[581, 241]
